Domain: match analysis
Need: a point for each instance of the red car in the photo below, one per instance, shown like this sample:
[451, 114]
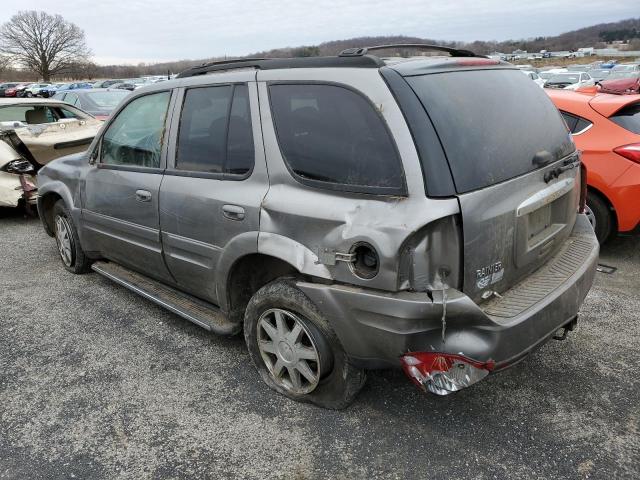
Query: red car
[626, 83]
[606, 128]
[13, 91]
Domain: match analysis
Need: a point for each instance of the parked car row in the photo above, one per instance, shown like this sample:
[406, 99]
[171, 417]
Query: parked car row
[625, 76]
[45, 90]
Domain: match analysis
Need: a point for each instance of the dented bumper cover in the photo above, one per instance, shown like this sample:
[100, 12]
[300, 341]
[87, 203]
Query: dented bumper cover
[376, 328]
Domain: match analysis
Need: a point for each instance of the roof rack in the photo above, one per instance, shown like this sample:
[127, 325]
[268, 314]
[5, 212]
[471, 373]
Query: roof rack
[454, 52]
[351, 57]
[366, 61]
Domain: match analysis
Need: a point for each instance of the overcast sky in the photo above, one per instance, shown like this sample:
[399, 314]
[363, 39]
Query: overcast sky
[131, 31]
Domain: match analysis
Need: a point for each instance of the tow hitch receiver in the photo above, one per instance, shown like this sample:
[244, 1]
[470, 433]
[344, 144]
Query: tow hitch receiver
[562, 332]
[444, 373]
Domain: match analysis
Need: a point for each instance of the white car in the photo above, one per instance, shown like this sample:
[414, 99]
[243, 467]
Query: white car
[569, 80]
[535, 77]
[34, 89]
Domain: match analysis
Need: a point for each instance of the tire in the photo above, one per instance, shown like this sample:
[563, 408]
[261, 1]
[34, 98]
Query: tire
[71, 254]
[28, 95]
[336, 382]
[600, 217]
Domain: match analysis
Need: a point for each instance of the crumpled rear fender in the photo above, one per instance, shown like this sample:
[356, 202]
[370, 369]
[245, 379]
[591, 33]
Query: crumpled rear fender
[10, 189]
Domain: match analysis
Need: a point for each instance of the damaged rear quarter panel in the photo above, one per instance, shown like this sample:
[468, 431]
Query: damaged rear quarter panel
[315, 218]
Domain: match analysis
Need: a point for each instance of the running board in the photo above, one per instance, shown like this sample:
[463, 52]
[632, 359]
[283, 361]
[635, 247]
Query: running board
[203, 314]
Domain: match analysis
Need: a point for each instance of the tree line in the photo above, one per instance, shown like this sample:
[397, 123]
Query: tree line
[37, 45]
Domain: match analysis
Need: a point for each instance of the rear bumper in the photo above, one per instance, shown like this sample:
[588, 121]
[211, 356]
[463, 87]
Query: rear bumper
[376, 328]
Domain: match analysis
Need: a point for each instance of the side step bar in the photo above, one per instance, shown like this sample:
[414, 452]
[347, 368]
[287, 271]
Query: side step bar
[203, 314]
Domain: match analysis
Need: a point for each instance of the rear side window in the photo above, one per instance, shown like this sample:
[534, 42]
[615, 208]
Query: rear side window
[332, 137]
[628, 118]
[492, 124]
[576, 124]
[215, 131]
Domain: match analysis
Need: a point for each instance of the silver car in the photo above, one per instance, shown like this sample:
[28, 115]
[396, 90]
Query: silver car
[347, 213]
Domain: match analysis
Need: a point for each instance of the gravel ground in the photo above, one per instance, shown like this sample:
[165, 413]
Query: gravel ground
[96, 382]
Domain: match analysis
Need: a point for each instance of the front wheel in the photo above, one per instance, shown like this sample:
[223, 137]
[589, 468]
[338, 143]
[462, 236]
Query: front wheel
[71, 253]
[295, 350]
[28, 94]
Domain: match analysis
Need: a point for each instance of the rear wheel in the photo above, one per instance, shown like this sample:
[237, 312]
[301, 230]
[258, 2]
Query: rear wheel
[71, 253]
[599, 216]
[295, 350]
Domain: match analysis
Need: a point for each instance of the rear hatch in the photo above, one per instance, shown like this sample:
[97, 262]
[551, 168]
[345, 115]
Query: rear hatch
[514, 166]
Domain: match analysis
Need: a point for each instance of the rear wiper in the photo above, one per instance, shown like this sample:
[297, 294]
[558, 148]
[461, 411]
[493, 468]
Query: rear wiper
[542, 158]
[568, 164]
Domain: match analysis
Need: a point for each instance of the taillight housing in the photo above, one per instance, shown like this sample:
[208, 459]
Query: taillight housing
[630, 152]
[444, 373]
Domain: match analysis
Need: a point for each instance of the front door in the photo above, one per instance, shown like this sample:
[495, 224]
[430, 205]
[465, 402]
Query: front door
[120, 204]
[215, 181]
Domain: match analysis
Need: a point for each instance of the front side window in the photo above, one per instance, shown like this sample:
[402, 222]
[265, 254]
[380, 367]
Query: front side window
[38, 114]
[332, 137]
[135, 136]
[215, 131]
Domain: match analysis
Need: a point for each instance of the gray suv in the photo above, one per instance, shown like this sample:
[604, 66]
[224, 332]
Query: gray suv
[347, 213]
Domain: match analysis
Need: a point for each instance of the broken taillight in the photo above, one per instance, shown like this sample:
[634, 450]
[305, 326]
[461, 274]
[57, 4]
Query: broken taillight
[444, 373]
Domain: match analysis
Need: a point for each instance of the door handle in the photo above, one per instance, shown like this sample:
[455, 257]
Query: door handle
[233, 212]
[143, 196]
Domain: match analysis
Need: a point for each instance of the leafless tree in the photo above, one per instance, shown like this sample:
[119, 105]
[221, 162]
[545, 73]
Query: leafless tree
[45, 44]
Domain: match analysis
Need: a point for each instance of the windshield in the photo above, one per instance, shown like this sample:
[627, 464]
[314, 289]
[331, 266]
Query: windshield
[493, 124]
[36, 114]
[618, 75]
[622, 68]
[565, 78]
[106, 100]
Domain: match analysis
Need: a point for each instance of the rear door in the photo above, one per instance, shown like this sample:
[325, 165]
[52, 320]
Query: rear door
[514, 166]
[216, 179]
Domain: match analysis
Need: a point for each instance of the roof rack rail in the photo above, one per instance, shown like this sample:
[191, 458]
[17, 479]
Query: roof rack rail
[454, 52]
[366, 61]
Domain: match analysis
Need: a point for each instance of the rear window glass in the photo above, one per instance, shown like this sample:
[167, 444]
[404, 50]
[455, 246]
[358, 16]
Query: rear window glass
[492, 124]
[628, 118]
[106, 100]
[564, 78]
[332, 137]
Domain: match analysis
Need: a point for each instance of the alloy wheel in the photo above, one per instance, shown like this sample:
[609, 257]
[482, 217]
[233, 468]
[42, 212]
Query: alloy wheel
[288, 351]
[64, 240]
